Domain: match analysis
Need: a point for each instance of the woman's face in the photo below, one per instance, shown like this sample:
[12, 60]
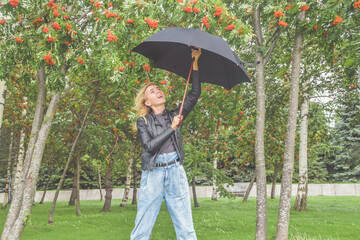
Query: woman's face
[154, 96]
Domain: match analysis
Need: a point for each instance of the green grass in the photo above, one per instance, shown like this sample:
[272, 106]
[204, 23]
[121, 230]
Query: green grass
[326, 218]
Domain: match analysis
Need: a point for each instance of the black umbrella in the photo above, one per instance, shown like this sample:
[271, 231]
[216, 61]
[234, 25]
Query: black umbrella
[170, 49]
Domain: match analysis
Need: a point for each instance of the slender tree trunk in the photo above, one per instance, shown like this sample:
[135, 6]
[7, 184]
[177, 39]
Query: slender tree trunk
[274, 181]
[248, 190]
[52, 209]
[286, 181]
[20, 160]
[135, 183]
[261, 195]
[46, 187]
[8, 172]
[127, 184]
[108, 189]
[196, 203]
[29, 191]
[74, 188]
[2, 100]
[36, 125]
[262, 58]
[14, 166]
[302, 192]
[78, 158]
[99, 181]
[214, 194]
[50, 218]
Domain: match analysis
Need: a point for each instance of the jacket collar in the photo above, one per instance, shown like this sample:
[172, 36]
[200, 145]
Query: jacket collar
[156, 121]
[153, 114]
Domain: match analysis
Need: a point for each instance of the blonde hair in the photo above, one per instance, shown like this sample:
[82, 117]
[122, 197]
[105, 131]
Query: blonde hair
[140, 107]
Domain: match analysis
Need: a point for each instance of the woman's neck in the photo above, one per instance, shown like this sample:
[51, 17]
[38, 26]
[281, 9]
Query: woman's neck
[158, 109]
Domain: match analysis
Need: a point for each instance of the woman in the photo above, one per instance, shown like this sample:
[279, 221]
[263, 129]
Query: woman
[163, 175]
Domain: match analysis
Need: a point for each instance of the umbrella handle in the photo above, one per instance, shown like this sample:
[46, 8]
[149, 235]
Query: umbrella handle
[187, 84]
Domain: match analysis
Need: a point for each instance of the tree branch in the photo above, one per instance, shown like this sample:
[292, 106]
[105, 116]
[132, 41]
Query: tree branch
[272, 36]
[257, 27]
[82, 16]
[272, 47]
[68, 90]
[72, 7]
[76, 51]
[329, 96]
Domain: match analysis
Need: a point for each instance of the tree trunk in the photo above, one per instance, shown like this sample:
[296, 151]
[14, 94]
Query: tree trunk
[13, 171]
[50, 218]
[8, 172]
[286, 181]
[99, 181]
[108, 189]
[262, 58]
[127, 184]
[2, 100]
[20, 160]
[78, 158]
[214, 194]
[36, 125]
[196, 203]
[274, 181]
[135, 183]
[52, 209]
[302, 192]
[30, 188]
[46, 187]
[248, 190]
[261, 195]
[74, 191]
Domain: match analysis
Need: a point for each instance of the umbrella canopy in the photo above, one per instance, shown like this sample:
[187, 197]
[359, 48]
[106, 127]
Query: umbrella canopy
[170, 49]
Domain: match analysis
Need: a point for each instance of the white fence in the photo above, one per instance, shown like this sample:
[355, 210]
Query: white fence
[204, 192]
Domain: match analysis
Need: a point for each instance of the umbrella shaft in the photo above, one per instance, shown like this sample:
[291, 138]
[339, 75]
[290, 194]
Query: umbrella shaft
[187, 84]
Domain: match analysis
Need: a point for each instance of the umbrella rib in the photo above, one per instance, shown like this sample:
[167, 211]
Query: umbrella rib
[226, 72]
[222, 65]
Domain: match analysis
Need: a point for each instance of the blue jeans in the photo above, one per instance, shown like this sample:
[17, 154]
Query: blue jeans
[164, 182]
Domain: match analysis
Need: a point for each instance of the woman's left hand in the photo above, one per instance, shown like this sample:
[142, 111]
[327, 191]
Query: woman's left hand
[196, 53]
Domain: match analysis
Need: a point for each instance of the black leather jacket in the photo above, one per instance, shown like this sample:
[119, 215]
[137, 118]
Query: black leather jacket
[153, 135]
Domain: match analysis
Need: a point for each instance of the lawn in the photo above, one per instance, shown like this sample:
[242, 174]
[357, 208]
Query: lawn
[225, 219]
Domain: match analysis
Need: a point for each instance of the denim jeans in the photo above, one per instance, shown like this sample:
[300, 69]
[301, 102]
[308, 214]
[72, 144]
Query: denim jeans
[169, 183]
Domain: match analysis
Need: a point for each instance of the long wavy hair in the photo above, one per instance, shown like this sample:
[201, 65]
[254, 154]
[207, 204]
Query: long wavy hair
[140, 107]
